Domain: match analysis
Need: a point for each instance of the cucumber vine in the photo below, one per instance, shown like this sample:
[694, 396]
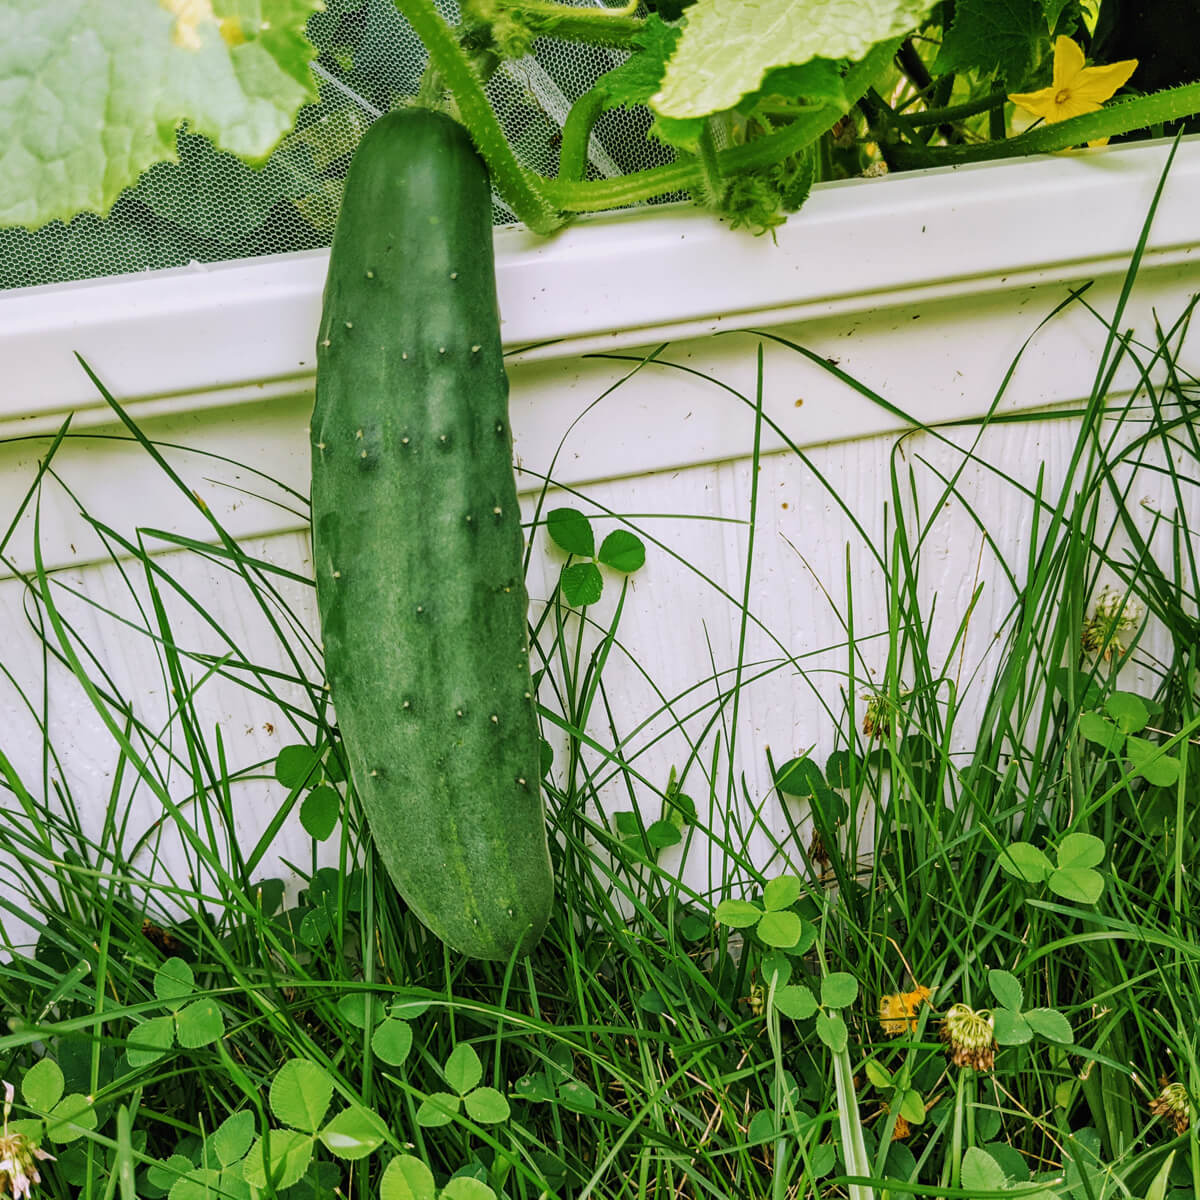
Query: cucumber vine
[755, 162]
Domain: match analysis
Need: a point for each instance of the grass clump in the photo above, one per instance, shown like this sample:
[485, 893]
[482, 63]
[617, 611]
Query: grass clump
[966, 966]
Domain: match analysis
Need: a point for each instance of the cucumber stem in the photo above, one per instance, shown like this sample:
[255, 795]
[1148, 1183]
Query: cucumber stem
[1123, 117]
[710, 189]
[577, 133]
[808, 125]
[517, 187]
[600, 26]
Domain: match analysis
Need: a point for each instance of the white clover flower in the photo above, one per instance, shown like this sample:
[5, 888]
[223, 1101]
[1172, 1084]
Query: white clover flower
[19, 1156]
[1115, 613]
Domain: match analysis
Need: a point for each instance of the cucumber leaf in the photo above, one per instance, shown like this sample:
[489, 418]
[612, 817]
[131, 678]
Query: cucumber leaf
[999, 39]
[127, 73]
[728, 46]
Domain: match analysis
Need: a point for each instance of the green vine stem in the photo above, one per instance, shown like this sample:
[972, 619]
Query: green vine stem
[577, 133]
[460, 76]
[948, 115]
[710, 188]
[544, 18]
[1123, 117]
[809, 124]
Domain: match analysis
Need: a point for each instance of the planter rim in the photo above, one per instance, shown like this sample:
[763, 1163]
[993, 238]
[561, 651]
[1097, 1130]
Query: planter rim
[615, 280]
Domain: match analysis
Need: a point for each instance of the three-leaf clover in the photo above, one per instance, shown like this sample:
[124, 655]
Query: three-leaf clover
[901, 1097]
[190, 1023]
[299, 1097]
[408, 1178]
[463, 1072]
[556, 1083]
[1013, 1025]
[1074, 876]
[63, 1117]
[1116, 730]
[300, 766]
[581, 582]
[646, 842]
[221, 1166]
[772, 920]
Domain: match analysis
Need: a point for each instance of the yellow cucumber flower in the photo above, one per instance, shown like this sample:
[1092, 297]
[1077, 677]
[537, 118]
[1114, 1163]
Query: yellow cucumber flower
[1076, 89]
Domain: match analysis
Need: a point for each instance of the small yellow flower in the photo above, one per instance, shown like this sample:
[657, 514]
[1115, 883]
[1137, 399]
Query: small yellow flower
[898, 1011]
[1076, 89]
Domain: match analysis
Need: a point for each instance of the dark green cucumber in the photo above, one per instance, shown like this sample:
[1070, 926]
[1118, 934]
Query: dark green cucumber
[417, 541]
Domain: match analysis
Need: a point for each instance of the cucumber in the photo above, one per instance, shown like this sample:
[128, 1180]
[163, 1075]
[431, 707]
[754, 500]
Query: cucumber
[417, 543]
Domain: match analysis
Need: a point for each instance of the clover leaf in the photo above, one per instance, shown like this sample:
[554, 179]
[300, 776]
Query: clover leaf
[581, 582]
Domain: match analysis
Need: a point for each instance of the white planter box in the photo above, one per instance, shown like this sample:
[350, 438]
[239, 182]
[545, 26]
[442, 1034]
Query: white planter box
[922, 286]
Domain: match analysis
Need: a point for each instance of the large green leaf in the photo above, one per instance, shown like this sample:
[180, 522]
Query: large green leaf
[231, 1139]
[1051, 1024]
[463, 1070]
[781, 892]
[1080, 850]
[999, 37]
[91, 94]
[838, 989]
[796, 1001]
[1006, 987]
[728, 46]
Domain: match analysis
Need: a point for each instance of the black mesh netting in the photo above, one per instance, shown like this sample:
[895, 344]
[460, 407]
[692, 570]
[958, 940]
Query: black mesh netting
[209, 206]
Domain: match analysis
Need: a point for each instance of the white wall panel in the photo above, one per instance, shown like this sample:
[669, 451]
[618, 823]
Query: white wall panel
[221, 364]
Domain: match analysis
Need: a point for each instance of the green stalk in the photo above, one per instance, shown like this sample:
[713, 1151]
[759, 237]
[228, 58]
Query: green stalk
[576, 134]
[1123, 117]
[778, 1093]
[956, 1141]
[600, 26]
[709, 191]
[854, 1147]
[947, 115]
[634, 188]
[461, 77]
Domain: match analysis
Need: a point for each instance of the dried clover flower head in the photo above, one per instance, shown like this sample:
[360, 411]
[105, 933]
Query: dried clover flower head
[18, 1156]
[1172, 1105]
[877, 720]
[1114, 614]
[970, 1037]
[898, 1011]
